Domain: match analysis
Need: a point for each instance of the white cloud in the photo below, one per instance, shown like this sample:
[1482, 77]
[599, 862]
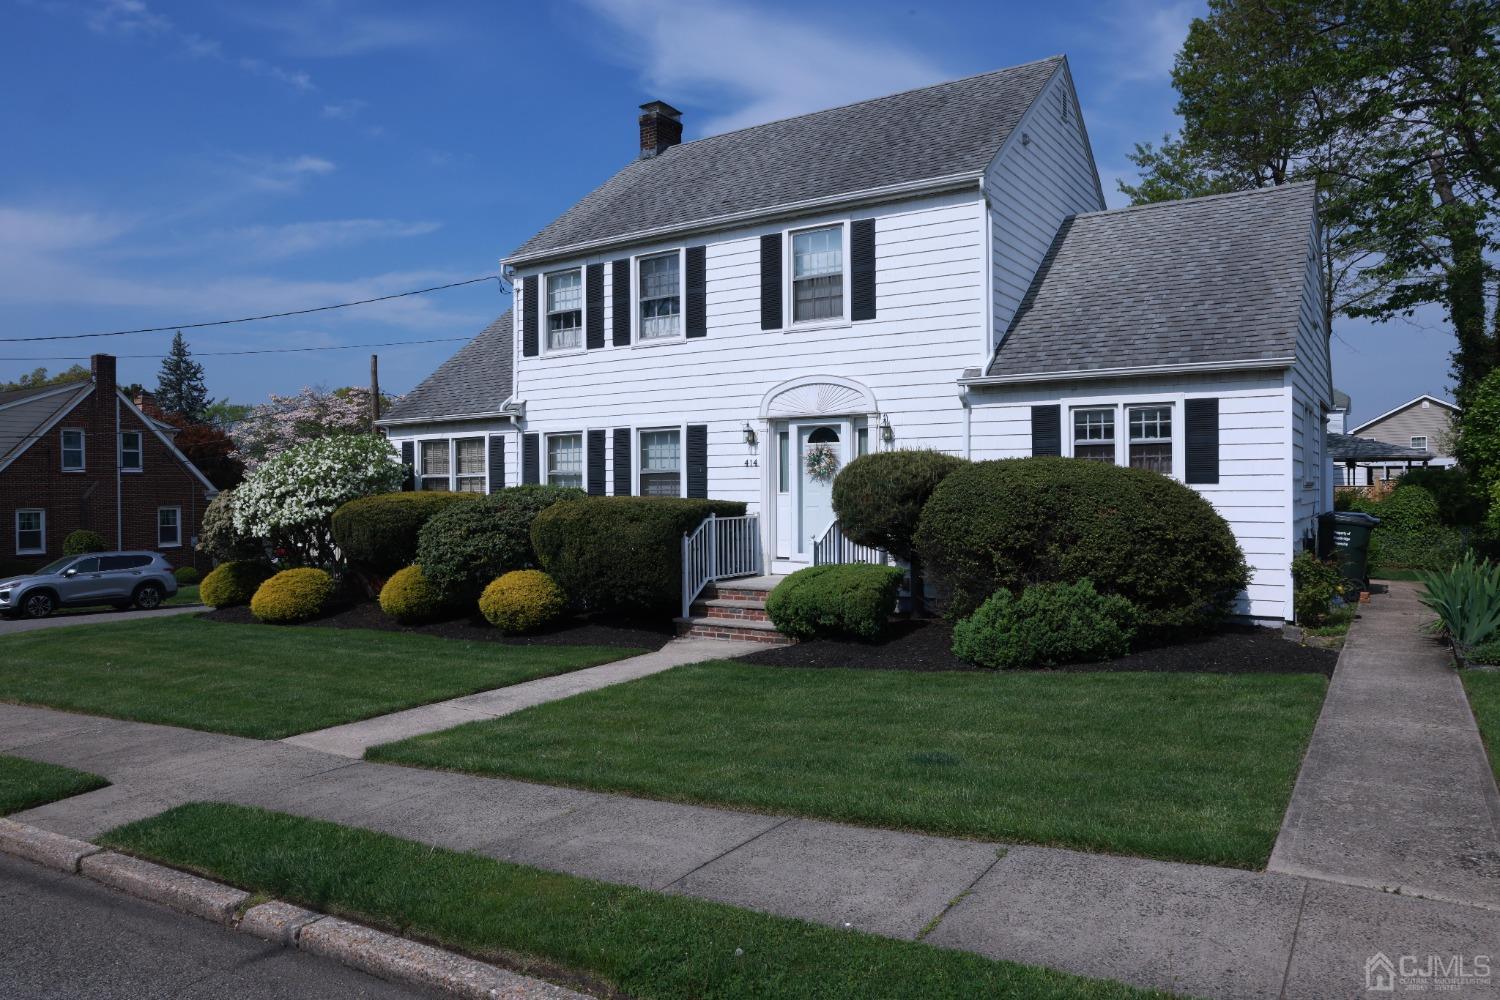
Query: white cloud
[343, 110]
[306, 237]
[284, 175]
[331, 28]
[767, 67]
[128, 17]
[43, 231]
[296, 79]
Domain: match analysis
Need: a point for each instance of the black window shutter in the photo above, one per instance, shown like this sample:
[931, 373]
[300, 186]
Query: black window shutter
[594, 307]
[770, 281]
[862, 269]
[596, 463]
[497, 462]
[697, 461]
[696, 298]
[531, 458]
[619, 295]
[1200, 424]
[530, 323]
[409, 462]
[622, 461]
[1046, 430]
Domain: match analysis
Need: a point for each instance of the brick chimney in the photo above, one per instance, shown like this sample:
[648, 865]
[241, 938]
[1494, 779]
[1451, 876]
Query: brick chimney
[103, 368]
[661, 128]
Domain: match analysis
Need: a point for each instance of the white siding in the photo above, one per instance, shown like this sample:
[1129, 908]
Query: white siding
[1310, 396]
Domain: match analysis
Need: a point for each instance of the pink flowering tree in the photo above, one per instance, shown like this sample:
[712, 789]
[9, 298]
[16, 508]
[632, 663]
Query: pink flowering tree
[285, 421]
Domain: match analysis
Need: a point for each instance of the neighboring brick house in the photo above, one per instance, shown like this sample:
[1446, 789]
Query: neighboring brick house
[83, 455]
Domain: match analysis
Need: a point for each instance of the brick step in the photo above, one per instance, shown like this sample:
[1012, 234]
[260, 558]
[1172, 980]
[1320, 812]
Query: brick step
[730, 610]
[745, 630]
[729, 592]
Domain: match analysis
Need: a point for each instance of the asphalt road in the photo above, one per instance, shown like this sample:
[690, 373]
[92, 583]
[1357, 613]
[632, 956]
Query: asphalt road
[63, 937]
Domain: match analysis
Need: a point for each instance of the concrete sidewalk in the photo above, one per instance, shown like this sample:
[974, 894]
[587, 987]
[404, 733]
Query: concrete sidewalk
[354, 738]
[1396, 792]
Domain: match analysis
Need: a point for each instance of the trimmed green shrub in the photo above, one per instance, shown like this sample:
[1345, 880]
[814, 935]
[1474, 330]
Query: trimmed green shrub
[1461, 503]
[186, 576]
[1315, 584]
[1431, 548]
[219, 539]
[621, 553]
[1407, 509]
[1013, 523]
[522, 600]
[291, 596]
[879, 498]
[233, 583]
[465, 546]
[83, 541]
[854, 600]
[1049, 624]
[409, 597]
[378, 534]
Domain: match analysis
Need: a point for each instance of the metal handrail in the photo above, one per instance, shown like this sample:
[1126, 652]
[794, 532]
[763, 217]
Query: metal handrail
[833, 547]
[719, 548]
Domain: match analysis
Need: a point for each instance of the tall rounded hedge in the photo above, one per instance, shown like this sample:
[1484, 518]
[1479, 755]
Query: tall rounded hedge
[1011, 523]
[465, 546]
[378, 534]
[1408, 508]
[879, 498]
[84, 541]
[621, 553]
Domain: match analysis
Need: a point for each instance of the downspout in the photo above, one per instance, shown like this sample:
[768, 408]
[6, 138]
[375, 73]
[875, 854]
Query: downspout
[963, 400]
[989, 279]
[119, 482]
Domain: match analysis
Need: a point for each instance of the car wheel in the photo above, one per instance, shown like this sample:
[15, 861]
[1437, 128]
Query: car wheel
[148, 596]
[38, 605]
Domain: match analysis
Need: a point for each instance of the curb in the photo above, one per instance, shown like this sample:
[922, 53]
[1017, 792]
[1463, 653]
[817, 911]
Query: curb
[385, 956]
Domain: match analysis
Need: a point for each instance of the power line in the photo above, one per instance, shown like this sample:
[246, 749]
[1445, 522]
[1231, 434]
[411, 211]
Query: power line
[264, 350]
[252, 319]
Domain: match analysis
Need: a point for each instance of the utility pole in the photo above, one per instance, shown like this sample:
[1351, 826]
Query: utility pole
[374, 390]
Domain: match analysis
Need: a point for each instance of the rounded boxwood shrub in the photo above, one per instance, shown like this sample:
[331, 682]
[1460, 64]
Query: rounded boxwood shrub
[83, 541]
[293, 595]
[464, 546]
[378, 534]
[1013, 523]
[186, 576]
[1408, 509]
[233, 583]
[620, 554]
[853, 601]
[879, 498]
[409, 597]
[522, 600]
[1049, 624]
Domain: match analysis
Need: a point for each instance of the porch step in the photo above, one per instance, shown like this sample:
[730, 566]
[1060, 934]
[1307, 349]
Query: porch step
[745, 630]
[745, 588]
[731, 609]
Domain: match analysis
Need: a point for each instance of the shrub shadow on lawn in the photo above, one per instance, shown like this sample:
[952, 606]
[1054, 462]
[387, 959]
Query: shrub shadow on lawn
[576, 631]
[927, 645]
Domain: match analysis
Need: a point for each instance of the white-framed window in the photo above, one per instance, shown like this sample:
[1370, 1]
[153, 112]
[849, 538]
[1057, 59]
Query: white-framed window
[436, 465]
[168, 527]
[1151, 437]
[661, 463]
[659, 296]
[1419, 441]
[1094, 433]
[72, 449]
[468, 461]
[31, 532]
[564, 305]
[565, 460]
[130, 451]
[817, 275]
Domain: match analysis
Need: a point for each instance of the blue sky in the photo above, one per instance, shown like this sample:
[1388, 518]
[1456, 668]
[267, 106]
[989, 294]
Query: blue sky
[176, 163]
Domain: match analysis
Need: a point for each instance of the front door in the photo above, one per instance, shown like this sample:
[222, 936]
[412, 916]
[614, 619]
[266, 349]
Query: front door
[820, 453]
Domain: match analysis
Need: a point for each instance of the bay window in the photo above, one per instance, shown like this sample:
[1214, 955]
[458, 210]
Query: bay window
[565, 310]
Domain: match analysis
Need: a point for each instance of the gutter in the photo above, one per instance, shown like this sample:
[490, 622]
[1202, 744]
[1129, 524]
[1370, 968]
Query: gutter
[933, 185]
[511, 410]
[1257, 364]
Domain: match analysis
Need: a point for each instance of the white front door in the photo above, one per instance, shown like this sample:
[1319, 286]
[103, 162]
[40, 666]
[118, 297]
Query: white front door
[814, 494]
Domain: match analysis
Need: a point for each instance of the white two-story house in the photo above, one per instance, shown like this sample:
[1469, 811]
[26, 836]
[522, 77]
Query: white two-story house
[931, 269]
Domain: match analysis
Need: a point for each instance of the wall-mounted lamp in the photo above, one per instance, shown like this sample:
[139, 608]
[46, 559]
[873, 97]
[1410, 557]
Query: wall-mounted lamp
[749, 433]
[886, 434]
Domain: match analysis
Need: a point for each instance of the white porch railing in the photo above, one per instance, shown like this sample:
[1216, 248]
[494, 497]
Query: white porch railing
[833, 547]
[719, 548]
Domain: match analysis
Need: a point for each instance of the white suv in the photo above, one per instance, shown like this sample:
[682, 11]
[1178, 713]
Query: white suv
[143, 579]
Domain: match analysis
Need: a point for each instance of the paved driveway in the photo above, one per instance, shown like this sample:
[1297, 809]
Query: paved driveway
[14, 626]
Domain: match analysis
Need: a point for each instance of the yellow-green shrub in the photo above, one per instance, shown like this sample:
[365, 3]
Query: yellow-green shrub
[408, 596]
[522, 601]
[293, 595]
[233, 583]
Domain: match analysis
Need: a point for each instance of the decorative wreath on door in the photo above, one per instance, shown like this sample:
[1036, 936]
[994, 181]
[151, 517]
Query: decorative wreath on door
[821, 462]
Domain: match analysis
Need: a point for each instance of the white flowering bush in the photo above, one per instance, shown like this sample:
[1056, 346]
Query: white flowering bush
[289, 499]
[287, 421]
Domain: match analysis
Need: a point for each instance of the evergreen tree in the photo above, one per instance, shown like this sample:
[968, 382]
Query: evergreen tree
[179, 384]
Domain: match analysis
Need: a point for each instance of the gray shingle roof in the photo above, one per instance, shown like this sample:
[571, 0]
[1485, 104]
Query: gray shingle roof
[1348, 448]
[1204, 280]
[925, 134]
[475, 380]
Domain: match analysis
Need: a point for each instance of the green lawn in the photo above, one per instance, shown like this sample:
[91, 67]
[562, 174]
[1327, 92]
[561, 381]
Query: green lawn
[1187, 767]
[259, 680]
[28, 783]
[636, 943]
[1483, 687]
[187, 594]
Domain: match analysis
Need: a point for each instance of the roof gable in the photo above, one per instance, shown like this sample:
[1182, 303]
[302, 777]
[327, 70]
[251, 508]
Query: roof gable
[1452, 407]
[948, 130]
[476, 381]
[26, 415]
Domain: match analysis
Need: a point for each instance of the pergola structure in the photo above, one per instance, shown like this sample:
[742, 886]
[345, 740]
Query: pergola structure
[1351, 451]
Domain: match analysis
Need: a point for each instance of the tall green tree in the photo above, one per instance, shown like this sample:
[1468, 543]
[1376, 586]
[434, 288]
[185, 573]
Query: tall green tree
[38, 378]
[180, 388]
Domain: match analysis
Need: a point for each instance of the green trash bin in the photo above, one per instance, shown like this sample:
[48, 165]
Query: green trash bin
[1344, 536]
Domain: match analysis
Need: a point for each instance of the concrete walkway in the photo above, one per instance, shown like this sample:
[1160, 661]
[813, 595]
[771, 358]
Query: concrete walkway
[354, 738]
[15, 626]
[1396, 792]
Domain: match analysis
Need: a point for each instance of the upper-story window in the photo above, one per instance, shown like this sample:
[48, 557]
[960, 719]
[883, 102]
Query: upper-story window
[1094, 434]
[818, 274]
[130, 451]
[565, 310]
[1419, 441]
[660, 277]
[72, 450]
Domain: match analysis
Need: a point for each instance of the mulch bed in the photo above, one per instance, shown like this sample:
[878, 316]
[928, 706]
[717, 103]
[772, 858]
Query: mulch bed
[927, 645]
[578, 631]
